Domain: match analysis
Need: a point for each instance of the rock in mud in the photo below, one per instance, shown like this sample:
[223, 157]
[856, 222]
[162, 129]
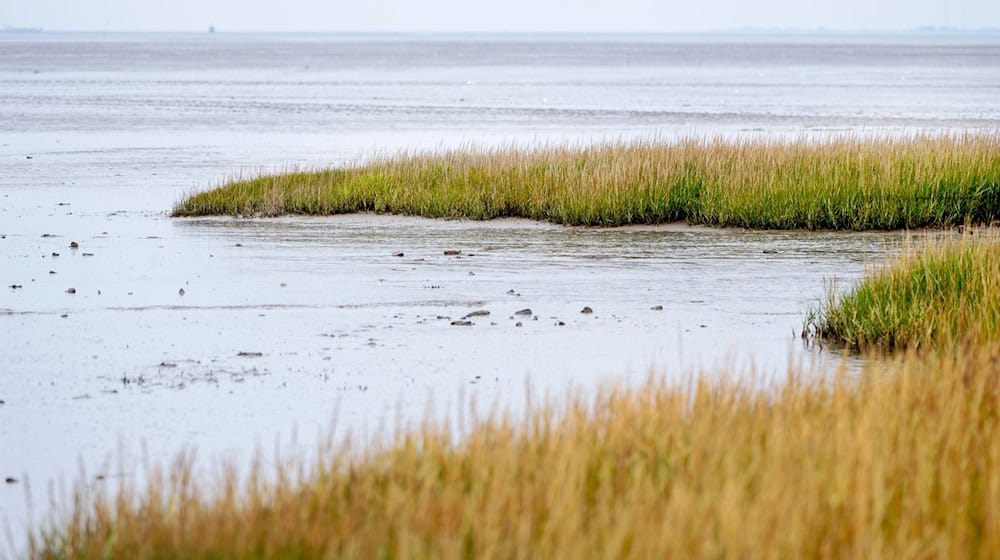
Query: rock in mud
[452, 252]
[479, 313]
[461, 323]
[524, 312]
[586, 310]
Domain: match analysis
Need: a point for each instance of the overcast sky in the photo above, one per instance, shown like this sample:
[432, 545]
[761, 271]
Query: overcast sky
[498, 15]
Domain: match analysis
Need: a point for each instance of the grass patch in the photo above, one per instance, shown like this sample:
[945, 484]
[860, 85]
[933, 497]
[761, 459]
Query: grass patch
[901, 461]
[842, 183]
[938, 294]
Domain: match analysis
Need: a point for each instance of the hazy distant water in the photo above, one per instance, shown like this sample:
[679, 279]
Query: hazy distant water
[495, 84]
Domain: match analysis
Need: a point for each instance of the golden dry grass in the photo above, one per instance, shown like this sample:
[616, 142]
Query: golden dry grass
[841, 183]
[901, 461]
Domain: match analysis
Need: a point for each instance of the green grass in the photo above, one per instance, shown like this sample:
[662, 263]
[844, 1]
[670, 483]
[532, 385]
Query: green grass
[938, 294]
[841, 183]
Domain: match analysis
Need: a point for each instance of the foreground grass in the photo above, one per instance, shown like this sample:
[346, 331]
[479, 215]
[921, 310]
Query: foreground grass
[845, 183]
[902, 461]
[934, 294]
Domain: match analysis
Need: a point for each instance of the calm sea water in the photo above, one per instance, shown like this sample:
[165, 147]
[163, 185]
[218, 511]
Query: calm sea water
[101, 134]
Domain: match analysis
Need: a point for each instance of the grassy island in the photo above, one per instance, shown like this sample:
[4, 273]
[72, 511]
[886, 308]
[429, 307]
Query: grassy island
[840, 183]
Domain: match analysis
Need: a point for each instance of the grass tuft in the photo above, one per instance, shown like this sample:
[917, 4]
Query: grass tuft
[939, 294]
[842, 183]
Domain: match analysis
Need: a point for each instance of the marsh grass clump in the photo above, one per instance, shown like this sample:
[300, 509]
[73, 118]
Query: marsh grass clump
[842, 183]
[938, 293]
[901, 461]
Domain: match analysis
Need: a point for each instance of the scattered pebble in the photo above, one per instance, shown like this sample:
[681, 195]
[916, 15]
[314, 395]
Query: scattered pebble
[238, 245]
[519, 324]
[283, 285]
[702, 326]
[88, 254]
[64, 315]
[560, 324]
[586, 310]
[16, 286]
[452, 252]
[11, 479]
[250, 354]
[74, 245]
[167, 365]
[47, 235]
[461, 323]
[54, 254]
[52, 272]
[71, 291]
[398, 254]
[472, 273]
[657, 308]
[524, 312]
[770, 251]
[181, 292]
[479, 313]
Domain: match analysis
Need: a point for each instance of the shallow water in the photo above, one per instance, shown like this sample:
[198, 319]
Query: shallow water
[119, 127]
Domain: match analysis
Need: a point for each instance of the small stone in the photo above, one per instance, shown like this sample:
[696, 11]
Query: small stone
[10, 479]
[52, 272]
[88, 254]
[250, 354]
[399, 254]
[461, 323]
[479, 313]
[283, 285]
[16, 286]
[560, 324]
[452, 252]
[524, 312]
[71, 291]
[64, 315]
[74, 245]
[472, 273]
[770, 251]
[181, 292]
[519, 324]
[586, 310]
[657, 308]
[702, 326]
[54, 254]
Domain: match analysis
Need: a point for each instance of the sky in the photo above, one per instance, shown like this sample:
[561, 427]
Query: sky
[626, 16]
